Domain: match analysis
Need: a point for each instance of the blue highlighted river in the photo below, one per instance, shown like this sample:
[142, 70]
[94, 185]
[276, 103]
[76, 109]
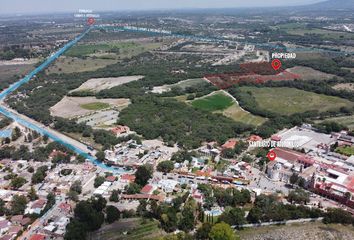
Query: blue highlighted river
[42, 130]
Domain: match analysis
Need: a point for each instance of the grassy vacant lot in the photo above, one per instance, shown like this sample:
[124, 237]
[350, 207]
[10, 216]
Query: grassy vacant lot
[221, 103]
[308, 231]
[87, 49]
[95, 106]
[11, 73]
[307, 73]
[182, 84]
[302, 30]
[344, 86]
[328, 34]
[73, 64]
[288, 101]
[238, 114]
[129, 229]
[347, 151]
[215, 102]
[111, 50]
[14, 71]
[347, 121]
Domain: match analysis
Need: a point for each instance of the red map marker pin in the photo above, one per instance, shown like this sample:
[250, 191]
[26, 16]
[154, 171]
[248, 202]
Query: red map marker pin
[271, 156]
[276, 64]
[91, 21]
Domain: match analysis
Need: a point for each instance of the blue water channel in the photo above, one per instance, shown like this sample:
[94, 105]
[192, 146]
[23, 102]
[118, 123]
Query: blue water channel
[41, 130]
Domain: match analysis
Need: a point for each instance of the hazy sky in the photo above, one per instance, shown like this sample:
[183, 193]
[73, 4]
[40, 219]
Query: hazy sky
[33, 6]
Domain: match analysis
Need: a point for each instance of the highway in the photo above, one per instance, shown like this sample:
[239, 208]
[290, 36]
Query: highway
[68, 142]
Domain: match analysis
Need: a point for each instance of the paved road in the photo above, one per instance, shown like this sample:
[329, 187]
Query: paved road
[54, 211]
[301, 220]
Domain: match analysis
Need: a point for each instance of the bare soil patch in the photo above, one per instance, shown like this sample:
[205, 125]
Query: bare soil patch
[71, 107]
[344, 86]
[98, 84]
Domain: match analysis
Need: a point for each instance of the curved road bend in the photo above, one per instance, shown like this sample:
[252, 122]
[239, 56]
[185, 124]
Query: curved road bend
[68, 142]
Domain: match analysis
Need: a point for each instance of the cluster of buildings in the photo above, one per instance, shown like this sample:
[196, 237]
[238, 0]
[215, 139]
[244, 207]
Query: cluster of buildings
[58, 179]
[132, 154]
[313, 158]
[10, 228]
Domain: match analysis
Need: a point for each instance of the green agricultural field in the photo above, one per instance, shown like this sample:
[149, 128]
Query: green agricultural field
[288, 101]
[221, 103]
[87, 49]
[95, 106]
[238, 114]
[215, 102]
[347, 151]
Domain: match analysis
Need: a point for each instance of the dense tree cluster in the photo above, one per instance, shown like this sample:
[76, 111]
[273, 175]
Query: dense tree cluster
[5, 122]
[299, 196]
[15, 51]
[165, 166]
[177, 122]
[39, 175]
[88, 217]
[143, 174]
[337, 215]
[329, 127]
[233, 152]
[267, 208]
[182, 156]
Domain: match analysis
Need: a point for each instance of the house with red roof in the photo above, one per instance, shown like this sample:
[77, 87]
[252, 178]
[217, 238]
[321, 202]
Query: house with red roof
[36, 207]
[127, 178]
[120, 130]
[88, 167]
[16, 219]
[65, 207]
[38, 237]
[147, 189]
[111, 178]
[229, 144]
[56, 153]
[276, 138]
[25, 221]
[255, 138]
[198, 196]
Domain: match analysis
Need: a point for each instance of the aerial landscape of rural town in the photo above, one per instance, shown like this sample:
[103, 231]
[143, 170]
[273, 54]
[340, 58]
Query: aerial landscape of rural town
[177, 120]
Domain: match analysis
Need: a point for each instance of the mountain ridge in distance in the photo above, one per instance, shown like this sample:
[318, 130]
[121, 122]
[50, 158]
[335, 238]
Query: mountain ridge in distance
[333, 4]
